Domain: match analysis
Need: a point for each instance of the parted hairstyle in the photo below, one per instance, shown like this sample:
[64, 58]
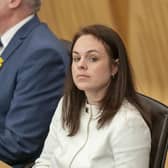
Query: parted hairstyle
[121, 86]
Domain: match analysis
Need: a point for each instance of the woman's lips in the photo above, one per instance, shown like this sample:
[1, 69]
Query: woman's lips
[82, 76]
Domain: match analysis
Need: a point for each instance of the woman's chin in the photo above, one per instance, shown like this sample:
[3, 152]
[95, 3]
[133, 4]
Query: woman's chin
[83, 88]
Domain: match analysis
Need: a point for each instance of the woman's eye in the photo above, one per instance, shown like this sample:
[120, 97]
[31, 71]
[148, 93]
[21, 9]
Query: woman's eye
[92, 59]
[76, 58]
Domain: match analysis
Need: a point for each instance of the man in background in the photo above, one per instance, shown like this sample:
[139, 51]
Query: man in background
[32, 70]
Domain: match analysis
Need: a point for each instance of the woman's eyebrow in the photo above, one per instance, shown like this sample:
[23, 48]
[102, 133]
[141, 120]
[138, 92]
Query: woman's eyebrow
[75, 52]
[89, 51]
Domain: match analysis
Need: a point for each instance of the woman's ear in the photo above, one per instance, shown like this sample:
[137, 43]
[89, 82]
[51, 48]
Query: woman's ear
[115, 67]
[14, 3]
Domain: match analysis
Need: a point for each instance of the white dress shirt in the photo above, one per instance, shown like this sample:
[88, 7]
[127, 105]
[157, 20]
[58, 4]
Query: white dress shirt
[9, 34]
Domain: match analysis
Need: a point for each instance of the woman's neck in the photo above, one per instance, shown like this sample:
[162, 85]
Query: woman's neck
[93, 99]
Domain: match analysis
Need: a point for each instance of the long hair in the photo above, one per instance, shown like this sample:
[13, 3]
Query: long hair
[120, 88]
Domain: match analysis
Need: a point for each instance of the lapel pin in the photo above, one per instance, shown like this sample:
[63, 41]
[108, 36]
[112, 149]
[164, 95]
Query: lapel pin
[1, 61]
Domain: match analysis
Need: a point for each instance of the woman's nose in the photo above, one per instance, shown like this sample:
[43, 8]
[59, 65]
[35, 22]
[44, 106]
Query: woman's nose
[82, 64]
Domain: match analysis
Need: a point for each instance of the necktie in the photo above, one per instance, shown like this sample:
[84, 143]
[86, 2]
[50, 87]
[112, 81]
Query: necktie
[1, 59]
[1, 45]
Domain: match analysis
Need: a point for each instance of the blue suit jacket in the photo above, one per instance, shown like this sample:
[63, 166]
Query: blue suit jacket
[31, 81]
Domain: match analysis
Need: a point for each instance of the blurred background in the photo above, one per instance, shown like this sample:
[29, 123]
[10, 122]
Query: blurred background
[142, 24]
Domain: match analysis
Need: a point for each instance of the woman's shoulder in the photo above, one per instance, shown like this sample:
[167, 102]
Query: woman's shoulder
[128, 110]
[128, 116]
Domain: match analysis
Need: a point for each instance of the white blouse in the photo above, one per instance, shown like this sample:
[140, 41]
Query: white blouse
[123, 143]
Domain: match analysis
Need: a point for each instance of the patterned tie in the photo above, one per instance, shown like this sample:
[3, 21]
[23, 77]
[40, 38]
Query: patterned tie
[1, 59]
[1, 45]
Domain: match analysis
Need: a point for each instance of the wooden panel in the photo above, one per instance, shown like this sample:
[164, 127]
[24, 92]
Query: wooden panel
[66, 17]
[141, 23]
[4, 165]
[148, 39]
[166, 164]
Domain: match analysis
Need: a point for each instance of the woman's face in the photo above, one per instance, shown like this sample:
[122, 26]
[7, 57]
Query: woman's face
[91, 65]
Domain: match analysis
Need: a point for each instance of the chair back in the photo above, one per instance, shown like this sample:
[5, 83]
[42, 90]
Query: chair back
[67, 44]
[159, 130]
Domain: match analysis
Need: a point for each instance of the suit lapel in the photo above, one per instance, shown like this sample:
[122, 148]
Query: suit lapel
[19, 37]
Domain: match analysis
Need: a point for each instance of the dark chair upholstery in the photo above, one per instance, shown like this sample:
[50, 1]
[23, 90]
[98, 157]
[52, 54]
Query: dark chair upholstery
[159, 117]
[66, 44]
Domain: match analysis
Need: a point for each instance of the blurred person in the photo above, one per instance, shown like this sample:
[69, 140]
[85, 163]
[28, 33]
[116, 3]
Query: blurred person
[32, 69]
[99, 122]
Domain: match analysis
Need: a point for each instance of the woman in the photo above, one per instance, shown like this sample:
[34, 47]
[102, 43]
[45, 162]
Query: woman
[99, 121]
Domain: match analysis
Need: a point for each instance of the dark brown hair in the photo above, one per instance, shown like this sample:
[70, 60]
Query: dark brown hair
[120, 88]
